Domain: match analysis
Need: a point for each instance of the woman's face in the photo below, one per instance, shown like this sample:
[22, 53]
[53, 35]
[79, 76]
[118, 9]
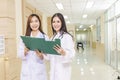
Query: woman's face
[34, 24]
[57, 24]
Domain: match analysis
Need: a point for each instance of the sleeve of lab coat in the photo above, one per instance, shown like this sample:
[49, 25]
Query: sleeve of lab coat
[68, 45]
[20, 53]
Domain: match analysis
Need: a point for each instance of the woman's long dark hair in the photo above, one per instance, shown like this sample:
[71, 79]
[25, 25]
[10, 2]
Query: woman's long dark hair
[28, 29]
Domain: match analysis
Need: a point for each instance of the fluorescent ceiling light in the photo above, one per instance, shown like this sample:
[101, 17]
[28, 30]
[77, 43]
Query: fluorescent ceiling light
[80, 26]
[89, 4]
[59, 6]
[85, 16]
[82, 73]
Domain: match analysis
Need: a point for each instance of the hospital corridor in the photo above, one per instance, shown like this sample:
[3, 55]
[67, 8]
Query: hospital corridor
[92, 49]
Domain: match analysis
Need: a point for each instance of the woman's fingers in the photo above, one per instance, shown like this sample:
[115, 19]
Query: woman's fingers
[58, 46]
[39, 54]
[59, 49]
[37, 51]
[26, 51]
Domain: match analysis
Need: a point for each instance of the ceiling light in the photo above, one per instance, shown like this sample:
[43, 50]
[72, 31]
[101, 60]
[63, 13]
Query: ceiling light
[82, 73]
[59, 6]
[80, 26]
[89, 4]
[78, 62]
[85, 16]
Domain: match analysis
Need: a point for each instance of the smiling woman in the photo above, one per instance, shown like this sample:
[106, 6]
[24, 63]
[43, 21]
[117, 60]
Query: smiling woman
[33, 67]
[60, 65]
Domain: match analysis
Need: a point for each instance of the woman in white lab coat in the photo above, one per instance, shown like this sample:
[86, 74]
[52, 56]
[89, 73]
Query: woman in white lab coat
[33, 67]
[60, 65]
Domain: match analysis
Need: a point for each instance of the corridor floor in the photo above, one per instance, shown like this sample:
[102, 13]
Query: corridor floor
[87, 66]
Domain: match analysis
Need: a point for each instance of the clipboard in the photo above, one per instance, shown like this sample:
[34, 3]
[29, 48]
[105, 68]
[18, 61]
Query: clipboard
[41, 44]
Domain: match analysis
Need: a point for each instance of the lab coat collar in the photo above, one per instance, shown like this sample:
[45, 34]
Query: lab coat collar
[39, 34]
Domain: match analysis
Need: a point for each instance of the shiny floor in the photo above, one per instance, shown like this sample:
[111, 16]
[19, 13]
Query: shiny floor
[87, 66]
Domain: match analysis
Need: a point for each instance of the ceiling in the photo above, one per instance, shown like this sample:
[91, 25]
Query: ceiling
[74, 9]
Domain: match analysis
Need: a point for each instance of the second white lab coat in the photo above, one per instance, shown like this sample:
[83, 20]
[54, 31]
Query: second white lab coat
[33, 68]
[60, 66]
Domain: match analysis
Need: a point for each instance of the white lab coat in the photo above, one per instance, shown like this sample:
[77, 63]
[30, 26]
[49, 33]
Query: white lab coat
[33, 68]
[60, 66]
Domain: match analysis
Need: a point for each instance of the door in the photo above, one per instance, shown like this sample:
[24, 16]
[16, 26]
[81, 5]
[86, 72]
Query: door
[113, 53]
[118, 42]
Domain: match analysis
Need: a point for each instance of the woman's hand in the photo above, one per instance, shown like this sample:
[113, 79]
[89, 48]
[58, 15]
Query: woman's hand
[59, 49]
[39, 54]
[26, 51]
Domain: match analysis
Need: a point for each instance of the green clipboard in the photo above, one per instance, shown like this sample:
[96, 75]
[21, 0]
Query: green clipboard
[41, 44]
